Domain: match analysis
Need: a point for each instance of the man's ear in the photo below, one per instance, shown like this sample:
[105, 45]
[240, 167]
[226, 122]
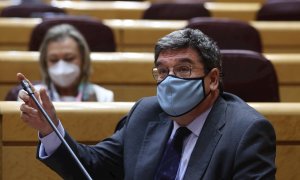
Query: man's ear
[214, 75]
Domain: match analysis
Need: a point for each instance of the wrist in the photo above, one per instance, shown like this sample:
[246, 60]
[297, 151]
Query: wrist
[48, 129]
[45, 132]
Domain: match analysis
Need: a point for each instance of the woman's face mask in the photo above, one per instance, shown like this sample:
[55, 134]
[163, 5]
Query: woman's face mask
[63, 73]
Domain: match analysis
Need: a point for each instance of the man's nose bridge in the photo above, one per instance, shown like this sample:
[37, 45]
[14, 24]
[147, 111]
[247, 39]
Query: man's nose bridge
[171, 71]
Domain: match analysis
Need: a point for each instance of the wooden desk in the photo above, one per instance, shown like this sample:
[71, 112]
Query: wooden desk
[238, 1]
[287, 69]
[91, 122]
[129, 74]
[141, 35]
[16, 32]
[134, 10]
[17, 146]
[254, 1]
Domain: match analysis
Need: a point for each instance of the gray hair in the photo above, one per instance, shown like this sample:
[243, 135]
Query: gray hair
[193, 38]
[57, 33]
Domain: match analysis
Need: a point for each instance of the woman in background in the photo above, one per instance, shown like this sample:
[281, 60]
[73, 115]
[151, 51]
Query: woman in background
[66, 65]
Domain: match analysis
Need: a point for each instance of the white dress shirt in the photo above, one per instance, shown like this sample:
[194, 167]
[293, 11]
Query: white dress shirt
[189, 143]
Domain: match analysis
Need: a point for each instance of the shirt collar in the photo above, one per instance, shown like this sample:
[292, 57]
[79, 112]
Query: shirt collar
[195, 126]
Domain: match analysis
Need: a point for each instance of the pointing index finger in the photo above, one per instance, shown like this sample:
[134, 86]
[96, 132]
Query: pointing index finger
[21, 77]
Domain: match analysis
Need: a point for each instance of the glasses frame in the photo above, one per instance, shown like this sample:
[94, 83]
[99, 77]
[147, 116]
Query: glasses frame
[176, 72]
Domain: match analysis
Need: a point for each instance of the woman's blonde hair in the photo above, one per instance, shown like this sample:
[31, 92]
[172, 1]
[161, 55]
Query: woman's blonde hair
[57, 33]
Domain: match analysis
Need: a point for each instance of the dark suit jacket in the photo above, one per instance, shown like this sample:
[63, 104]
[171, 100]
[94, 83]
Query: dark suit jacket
[236, 142]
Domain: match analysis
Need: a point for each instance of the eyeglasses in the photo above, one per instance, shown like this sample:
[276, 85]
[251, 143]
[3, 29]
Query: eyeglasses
[182, 71]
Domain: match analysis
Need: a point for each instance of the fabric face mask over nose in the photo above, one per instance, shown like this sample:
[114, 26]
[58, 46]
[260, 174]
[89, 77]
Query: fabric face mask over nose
[63, 73]
[178, 96]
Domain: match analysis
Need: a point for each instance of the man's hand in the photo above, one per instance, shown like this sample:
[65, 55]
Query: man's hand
[30, 113]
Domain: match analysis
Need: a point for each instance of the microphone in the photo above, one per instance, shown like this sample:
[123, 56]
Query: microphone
[26, 86]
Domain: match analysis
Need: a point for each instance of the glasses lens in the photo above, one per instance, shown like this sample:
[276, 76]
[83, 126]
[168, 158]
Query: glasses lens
[159, 73]
[155, 73]
[182, 71]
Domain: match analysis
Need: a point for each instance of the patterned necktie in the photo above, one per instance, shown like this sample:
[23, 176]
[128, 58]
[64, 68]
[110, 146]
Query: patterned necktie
[169, 164]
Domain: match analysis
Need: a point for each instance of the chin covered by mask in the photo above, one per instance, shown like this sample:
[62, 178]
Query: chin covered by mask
[178, 96]
[63, 73]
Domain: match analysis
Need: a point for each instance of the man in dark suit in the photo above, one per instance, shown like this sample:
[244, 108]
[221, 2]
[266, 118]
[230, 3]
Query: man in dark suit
[224, 138]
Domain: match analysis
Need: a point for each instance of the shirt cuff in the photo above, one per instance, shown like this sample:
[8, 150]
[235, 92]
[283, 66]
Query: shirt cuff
[50, 142]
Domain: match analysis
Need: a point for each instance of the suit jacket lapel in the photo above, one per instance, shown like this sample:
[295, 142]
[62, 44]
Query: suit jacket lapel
[156, 137]
[207, 141]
